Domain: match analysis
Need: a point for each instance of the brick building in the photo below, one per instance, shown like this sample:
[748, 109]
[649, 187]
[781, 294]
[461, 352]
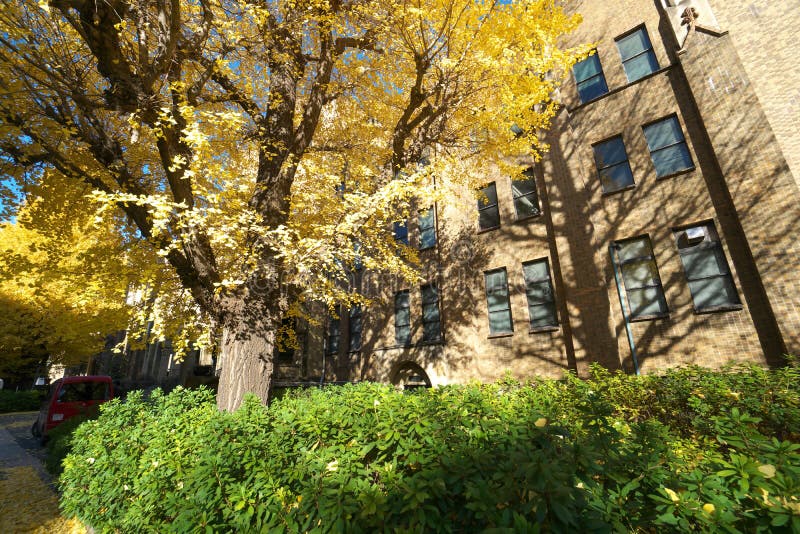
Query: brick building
[659, 230]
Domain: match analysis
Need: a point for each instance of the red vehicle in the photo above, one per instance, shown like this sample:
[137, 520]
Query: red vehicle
[71, 396]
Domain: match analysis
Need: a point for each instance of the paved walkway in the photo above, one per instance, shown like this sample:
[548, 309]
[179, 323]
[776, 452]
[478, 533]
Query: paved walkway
[28, 500]
[12, 454]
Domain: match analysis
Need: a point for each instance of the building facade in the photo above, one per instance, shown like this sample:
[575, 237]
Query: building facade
[659, 229]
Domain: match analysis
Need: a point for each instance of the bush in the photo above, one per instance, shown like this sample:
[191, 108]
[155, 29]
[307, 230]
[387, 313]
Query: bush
[19, 401]
[609, 453]
[59, 442]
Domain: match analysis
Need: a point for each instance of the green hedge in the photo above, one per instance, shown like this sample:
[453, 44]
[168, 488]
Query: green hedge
[20, 401]
[695, 450]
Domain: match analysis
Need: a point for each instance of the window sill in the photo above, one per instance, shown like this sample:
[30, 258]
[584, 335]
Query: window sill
[522, 220]
[676, 173]
[541, 329]
[500, 335]
[432, 247]
[412, 345]
[718, 309]
[485, 230]
[649, 317]
[615, 191]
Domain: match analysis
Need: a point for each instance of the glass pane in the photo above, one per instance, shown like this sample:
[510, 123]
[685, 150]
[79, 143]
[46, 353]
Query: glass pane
[402, 335]
[355, 341]
[355, 323]
[704, 262]
[672, 159]
[430, 312]
[402, 316]
[430, 331]
[540, 292]
[633, 44]
[648, 301]
[592, 88]
[488, 196]
[333, 343]
[497, 301]
[500, 321]
[661, 134]
[640, 66]
[616, 177]
[543, 315]
[713, 292]
[429, 294]
[523, 187]
[426, 219]
[587, 68]
[535, 271]
[640, 274]
[401, 300]
[610, 152]
[635, 248]
[401, 232]
[427, 238]
[526, 206]
[489, 218]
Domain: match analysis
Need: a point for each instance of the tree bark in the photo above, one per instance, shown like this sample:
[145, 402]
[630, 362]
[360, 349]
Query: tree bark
[247, 350]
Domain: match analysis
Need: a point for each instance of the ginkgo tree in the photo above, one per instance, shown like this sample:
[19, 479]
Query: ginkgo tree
[263, 147]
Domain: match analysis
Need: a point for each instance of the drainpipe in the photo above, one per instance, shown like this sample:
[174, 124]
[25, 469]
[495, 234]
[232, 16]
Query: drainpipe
[612, 252]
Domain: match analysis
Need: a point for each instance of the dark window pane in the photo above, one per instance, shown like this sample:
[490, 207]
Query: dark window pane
[587, 68]
[640, 274]
[402, 316]
[500, 321]
[635, 248]
[489, 218]
[647, 301]
[536, 270]
[402, 335]
[610, 152]
[704, 262]
[526, 201]
[592, 88]
[539, 292]
[616, 177]
[663, 133]
[712, 292]
[633, 44]
[355, 328]
[672, 159]
[488, 196]
[543, 315]
[640, 66]
[401, 232]
[431, 331]
[427, 229]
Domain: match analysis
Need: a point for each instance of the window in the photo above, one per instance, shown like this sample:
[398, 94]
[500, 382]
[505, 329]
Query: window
[498, 302]
[402, 318]
[667, 146]
[427, 229]
[333, 335]
[355, 328]
[706, 268]
[284, 352]
[539, 289]
[401, 232]
[526, 199]
[488, 211]
[638, 57]
[612, 165]
[589, 77]
[431, 323]
[640, 277]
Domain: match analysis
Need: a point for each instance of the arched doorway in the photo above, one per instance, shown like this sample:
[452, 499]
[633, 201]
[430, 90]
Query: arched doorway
[409, 376]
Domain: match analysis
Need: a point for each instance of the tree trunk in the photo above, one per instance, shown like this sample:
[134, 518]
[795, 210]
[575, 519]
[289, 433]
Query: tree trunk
[246, 353]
